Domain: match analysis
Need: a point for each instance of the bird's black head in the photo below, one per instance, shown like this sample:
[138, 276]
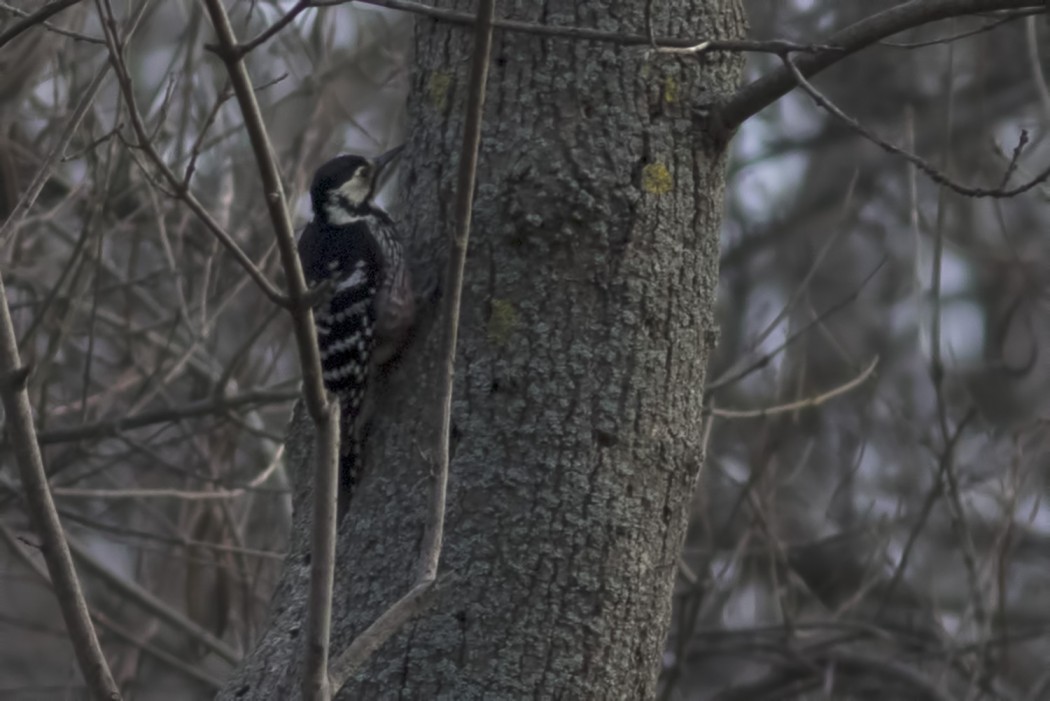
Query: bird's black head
[343, 187]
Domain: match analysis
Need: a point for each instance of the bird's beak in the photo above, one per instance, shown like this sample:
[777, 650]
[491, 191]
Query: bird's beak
[381, 162]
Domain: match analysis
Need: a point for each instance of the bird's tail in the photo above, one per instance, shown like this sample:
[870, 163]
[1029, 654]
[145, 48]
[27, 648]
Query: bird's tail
[349, 459]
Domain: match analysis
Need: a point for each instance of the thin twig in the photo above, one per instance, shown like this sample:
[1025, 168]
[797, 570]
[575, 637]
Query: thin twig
[134, 592]
[731, 376]
[205, 407]
[690, 44]
[936, 262]
[27, 200]
[807, 403]
[818, 260]
[936, 491]
[273, 29]
[38, 17]
[430, 553]
[955, 507]
[764, 91]
[936, 175]
[324, 414]
[918, 685]
[137, 494]
[184, 494]
[695, 49]
[106, 623]
[424, 590]
[322, 561]
[407, 607]
[687, 45]
[273, 191]
[1015, 158]
[1005, 18]
[22, 434]
[1036, 64]
[178, 190]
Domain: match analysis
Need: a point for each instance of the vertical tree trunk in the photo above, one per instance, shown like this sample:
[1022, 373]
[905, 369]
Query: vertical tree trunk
[587, 321]
[586, 327]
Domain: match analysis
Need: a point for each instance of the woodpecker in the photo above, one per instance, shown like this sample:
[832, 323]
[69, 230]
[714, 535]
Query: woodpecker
[352, 249]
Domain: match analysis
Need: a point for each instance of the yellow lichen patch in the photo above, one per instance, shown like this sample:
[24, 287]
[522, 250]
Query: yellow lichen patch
[502, 321]
[670, 90]
[437, 88]
[656, 179]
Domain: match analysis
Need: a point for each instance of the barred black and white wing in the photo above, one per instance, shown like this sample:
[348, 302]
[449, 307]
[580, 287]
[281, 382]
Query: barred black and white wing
[352, 249]
[347, 261]
[345, 330]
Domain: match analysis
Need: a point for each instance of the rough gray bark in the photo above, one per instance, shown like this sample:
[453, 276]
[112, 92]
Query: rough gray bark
[586, 327]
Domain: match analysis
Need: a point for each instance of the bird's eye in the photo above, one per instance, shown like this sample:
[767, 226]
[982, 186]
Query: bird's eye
[365, 171]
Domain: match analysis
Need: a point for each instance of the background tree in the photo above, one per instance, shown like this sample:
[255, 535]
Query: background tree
[863, 530]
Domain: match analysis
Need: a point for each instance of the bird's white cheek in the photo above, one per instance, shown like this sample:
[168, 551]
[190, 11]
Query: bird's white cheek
[355, 190]
[338, 215]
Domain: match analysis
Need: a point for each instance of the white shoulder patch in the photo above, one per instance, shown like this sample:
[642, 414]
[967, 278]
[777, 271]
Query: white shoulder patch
[339, 216]
[355, 279]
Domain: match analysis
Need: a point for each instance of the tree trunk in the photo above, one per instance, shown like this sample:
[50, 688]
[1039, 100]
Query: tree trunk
[586, 326]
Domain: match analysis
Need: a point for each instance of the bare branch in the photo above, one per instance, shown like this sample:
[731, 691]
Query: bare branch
[272, 30]
[322, 560]
[72, 492]
[936, 175]
[22, 433]
[761, 93]
[324, 414]
[430, 553]
[137, 594]
[807, 403]
[403, 610]
[1042, 89]
[688, 45]
[178, 190]
[212, 405]
[667, 44]
[38, 17]
[53, 158]
[733, 375]
[104, 621]
[273, 191]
